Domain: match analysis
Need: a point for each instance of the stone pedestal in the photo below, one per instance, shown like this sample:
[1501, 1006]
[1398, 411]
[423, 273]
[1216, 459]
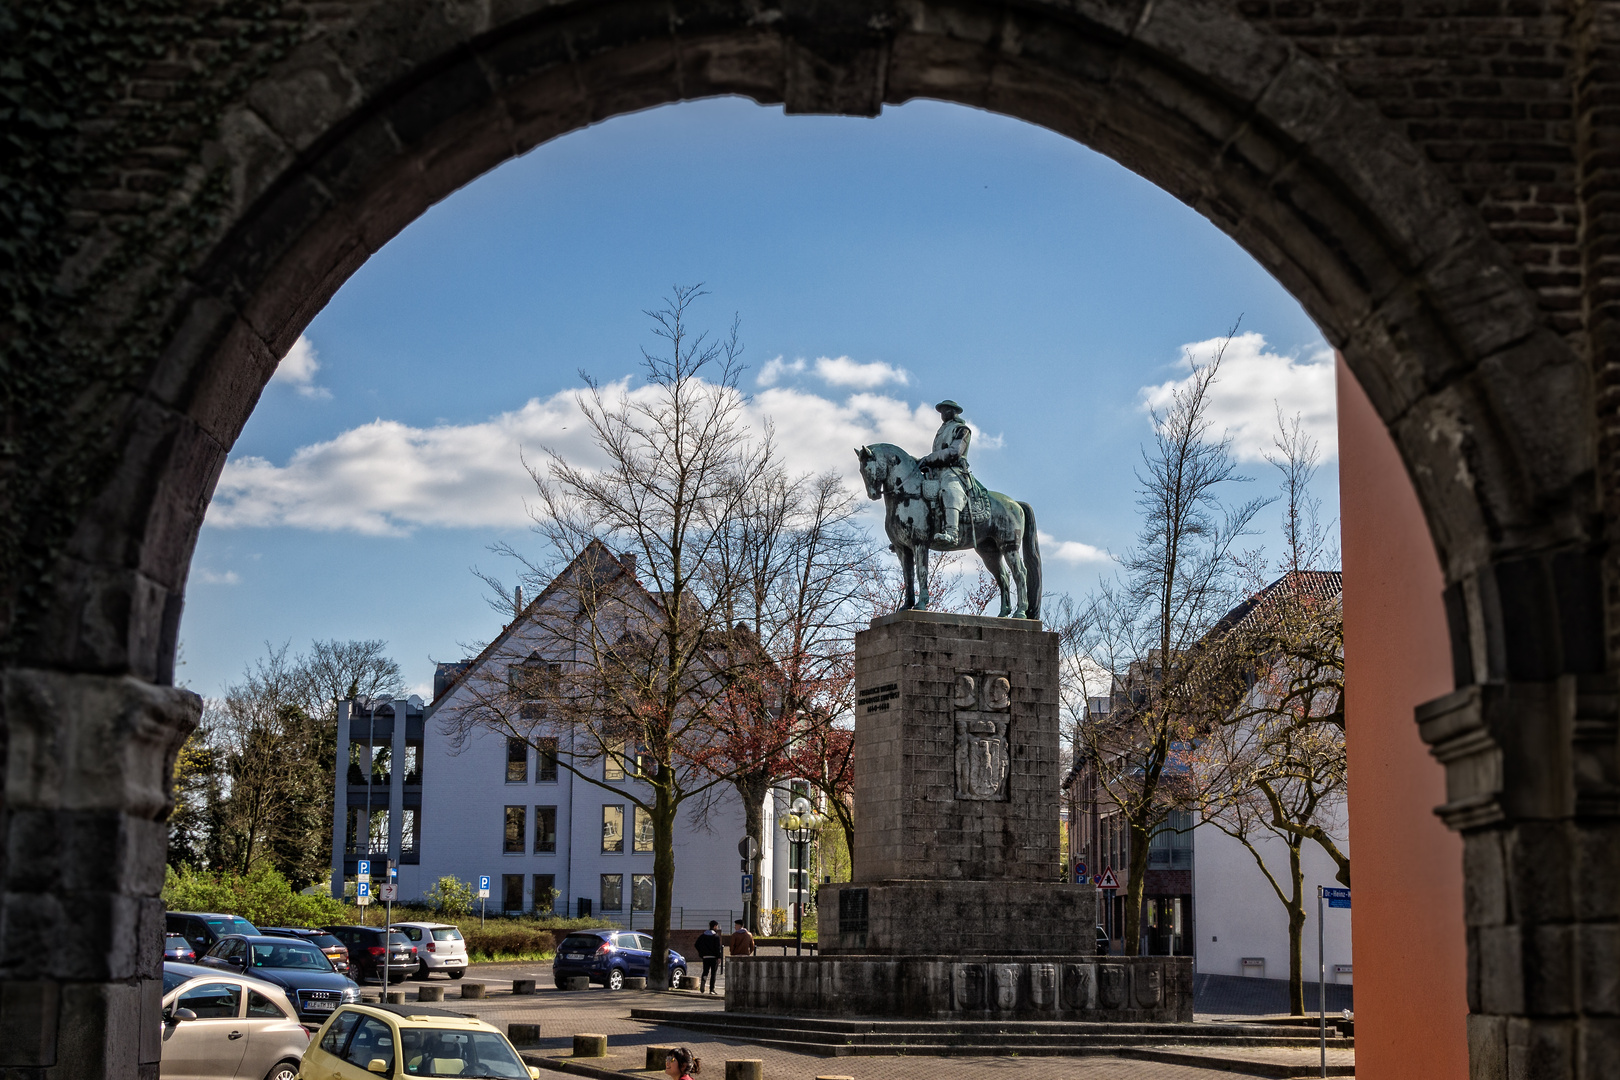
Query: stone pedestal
[958, 908]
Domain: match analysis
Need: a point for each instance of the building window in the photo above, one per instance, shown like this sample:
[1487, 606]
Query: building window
[381, 757]
[613, 829]
[641, 892]
[545, 893]
[517, 761]
[545, 830]
[511, 894]
[413, 764]
[515, 823]
[612, 892]
[545, 761]
[613, 762]
[407, 830]
[379, 832]
[644, 831]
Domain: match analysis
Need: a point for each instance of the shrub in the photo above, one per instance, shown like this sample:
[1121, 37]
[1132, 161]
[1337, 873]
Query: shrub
[450, 897]
[261, 896]
[509, 943]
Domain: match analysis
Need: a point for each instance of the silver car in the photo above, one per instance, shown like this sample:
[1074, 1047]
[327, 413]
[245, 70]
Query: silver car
[218, 1025]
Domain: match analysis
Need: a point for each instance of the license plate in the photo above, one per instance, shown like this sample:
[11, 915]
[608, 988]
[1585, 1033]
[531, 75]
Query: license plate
[452, 961]
[322, 1006]
[576, 956]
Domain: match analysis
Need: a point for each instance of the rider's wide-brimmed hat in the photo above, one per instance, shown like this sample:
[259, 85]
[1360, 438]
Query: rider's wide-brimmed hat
[947, 404]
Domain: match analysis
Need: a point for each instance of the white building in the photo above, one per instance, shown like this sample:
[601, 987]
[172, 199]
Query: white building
[482, 802]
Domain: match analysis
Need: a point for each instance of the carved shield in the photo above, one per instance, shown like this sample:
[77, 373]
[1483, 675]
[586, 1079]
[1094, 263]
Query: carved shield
[967, 984]
[1079, 986]
[1043, 985]
[1005, 977]
[981, 756]
[1110, 986]
[1149, 986]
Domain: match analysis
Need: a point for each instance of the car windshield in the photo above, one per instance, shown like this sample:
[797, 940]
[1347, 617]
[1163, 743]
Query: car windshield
[292, 954]
[448, 933]
[230, 924]
[172, 979]
[580, 943]
[443, 1052]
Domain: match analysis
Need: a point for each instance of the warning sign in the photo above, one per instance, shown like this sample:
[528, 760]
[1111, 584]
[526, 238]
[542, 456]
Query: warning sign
[1106, 880]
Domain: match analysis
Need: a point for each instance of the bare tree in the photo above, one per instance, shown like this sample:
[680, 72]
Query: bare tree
[1178, 578]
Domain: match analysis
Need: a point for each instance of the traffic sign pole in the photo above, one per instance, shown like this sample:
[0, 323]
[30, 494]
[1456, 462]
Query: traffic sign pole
[1321, 975]
[483, 898]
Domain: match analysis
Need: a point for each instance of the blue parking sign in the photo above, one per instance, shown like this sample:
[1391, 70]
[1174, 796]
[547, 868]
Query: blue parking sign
[363, 868]
[365, 888]
[483, 883]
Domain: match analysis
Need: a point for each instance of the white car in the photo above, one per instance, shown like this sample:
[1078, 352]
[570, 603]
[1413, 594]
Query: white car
[439, 947]
[219, 1025]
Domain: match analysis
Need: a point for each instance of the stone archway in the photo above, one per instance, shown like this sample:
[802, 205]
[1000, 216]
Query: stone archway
[339, 124]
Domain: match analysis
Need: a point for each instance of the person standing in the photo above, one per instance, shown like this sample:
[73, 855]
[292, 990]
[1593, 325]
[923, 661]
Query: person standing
[742, 942]
[709, 947]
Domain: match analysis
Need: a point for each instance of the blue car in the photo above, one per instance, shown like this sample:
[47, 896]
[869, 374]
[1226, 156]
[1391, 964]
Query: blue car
[609, 957]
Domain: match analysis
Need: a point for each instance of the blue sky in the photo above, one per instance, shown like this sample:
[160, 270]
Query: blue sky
[877, 266]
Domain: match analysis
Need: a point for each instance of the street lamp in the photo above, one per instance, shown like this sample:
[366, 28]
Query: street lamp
[802, 825]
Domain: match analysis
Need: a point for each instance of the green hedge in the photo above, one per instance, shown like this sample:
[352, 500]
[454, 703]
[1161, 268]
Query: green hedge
[262, 897]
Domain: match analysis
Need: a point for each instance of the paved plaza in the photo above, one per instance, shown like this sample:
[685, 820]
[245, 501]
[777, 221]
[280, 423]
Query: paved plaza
[562, 1015]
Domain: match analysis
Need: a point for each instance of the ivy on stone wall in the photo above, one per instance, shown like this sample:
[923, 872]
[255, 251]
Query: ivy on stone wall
[105, 204]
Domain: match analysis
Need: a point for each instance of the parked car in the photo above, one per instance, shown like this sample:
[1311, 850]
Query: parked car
[219, 1026]
[439, 947]
[178, 948]
[366, 950]
[1102, 942]
[298, 967]
[361, 1042]
[335, 950]
[202, 930]
[609, 957]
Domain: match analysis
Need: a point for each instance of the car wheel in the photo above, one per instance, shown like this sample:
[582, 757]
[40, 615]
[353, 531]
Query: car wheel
[456, 973]
[615, 979]
[283, 1070]
[676, 977]
[422, 972]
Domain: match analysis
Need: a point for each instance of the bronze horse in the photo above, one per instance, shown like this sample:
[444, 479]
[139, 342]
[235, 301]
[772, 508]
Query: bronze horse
[1003, 533]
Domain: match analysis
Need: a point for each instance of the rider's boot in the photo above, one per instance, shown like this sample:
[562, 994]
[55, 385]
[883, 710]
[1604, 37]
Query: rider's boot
[948, 534]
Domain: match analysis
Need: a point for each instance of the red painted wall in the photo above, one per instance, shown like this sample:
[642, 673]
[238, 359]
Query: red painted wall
[1410, 955]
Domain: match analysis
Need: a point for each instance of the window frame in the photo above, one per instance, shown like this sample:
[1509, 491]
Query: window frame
[652, 891]
[539, 814]
[507, 844]
[603, 894]
[606, 808]
[521, 775]
[641, 814]
[546, 770]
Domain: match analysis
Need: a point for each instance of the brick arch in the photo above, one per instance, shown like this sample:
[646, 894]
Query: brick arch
[381, 109]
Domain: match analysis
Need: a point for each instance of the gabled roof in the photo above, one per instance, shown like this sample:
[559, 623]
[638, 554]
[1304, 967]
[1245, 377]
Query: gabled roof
[1320, 584]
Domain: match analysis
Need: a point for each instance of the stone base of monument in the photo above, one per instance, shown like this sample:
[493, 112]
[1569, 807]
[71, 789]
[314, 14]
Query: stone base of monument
[990, 918]
[1080, 987]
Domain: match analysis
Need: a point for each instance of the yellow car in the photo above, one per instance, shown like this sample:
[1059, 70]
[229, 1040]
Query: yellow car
[363, 1042]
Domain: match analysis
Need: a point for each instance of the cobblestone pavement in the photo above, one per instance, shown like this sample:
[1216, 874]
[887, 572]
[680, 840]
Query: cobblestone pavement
[598, 1011]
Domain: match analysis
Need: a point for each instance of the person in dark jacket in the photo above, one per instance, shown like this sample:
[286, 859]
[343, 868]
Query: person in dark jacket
[711, 949]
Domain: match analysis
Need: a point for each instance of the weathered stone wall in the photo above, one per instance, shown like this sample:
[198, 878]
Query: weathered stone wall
[917, 917]
[914, 825]
[1128, 989]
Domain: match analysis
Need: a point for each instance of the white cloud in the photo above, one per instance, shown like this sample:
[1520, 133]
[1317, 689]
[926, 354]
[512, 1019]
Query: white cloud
[1253, 383]
[842, 371]
[772, 372]
[212, 577]
[1073, 552]
[388, 478]
[297, 369]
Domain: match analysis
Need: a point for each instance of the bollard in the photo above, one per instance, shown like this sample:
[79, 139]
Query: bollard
[590, 1046]
[656, 1056]
[472, 990]
[430, 993]
[522, 986]
[576, 982]
[394, 997]
[635, 982]
[745, 1069]
[523, 1035]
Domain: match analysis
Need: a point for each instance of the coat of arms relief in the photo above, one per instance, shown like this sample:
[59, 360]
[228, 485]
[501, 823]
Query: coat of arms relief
[983, 703]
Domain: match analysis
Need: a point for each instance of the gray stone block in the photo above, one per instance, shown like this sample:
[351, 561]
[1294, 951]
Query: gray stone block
[472, 990]
[430, 993]
[523, 1035]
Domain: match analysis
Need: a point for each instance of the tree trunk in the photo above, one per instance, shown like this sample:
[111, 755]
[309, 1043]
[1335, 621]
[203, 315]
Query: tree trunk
[663, 823]
[753, 787]
[1135, 887]
[1296, 932]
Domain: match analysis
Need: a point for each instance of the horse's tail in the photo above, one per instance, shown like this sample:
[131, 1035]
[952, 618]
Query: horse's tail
[1032, 562]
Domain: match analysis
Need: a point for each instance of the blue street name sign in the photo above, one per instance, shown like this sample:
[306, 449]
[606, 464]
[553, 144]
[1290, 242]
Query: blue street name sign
[363, 868]
[1337, 897]
[393, 873]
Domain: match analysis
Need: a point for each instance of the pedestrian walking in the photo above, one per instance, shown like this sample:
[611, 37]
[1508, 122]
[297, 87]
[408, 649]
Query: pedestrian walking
[680, 1063]
[711, 949]
[742, 942]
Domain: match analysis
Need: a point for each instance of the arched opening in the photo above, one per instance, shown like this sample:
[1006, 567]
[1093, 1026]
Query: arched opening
[353, 135]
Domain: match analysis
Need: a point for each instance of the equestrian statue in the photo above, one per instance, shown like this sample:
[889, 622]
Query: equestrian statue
[935, 504]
